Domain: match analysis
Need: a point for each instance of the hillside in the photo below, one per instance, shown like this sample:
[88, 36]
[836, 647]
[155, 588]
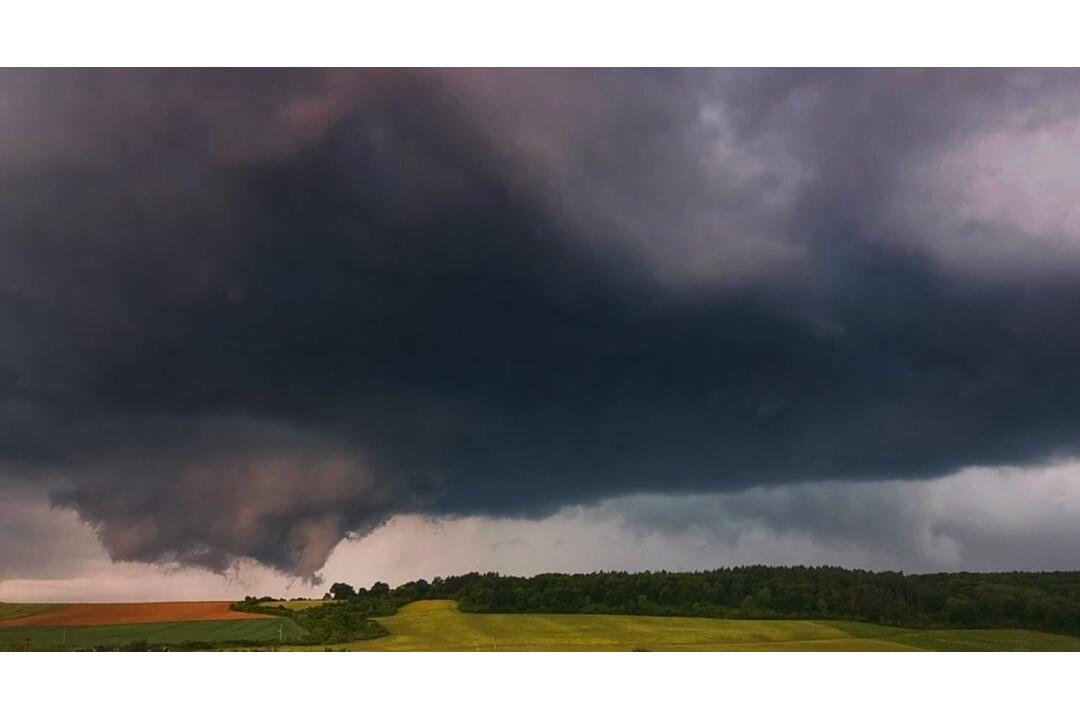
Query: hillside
[1044, 601]
[439, 625]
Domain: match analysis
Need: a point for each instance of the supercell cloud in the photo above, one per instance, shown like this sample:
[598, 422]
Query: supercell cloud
[246, 314]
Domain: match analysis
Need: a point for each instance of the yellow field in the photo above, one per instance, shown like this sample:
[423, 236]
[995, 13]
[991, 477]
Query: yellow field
[438, 625]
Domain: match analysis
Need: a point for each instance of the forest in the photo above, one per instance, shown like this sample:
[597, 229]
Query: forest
[1048, 601]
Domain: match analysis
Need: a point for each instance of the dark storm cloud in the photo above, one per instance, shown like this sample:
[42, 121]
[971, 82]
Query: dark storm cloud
[980, 519]
[244, 314]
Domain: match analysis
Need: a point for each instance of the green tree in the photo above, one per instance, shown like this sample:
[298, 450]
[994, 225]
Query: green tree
[342, 591]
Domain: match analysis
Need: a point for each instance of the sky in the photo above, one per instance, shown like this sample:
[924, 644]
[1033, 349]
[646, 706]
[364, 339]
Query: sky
[265, 330]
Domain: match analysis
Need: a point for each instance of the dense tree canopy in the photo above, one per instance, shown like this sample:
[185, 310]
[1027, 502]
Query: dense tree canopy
[334, 622]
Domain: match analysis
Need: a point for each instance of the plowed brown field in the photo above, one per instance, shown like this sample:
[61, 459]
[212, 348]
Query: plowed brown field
[130, 614]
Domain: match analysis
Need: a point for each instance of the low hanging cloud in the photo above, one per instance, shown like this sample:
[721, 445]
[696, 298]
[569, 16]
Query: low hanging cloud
[984, 519]
[987, 519]
[263, 493]
[244, 314]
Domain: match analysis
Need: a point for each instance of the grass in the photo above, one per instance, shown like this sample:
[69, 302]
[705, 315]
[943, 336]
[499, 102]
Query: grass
[965, 640]
[438, 625]
[13, 611]
[173, 633]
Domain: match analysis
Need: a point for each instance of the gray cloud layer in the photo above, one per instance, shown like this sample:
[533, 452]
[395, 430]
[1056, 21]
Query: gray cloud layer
[978, 519]
[243, 314]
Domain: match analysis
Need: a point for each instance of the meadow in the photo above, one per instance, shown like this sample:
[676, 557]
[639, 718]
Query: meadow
[439, 625]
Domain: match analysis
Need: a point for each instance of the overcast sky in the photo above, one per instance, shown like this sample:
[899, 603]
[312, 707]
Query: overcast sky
[264, 330]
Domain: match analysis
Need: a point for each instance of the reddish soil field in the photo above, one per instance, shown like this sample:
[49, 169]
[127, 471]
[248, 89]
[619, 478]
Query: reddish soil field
[130, 613]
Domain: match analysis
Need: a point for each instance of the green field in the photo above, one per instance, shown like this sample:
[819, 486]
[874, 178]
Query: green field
[964, 640]
[13, 611]
[438, 625]
[173, 633]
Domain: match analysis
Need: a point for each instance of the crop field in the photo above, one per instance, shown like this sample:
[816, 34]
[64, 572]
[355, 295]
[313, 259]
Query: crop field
[965, 640]
[209, 631]
[438, 625]
[42, 627]
[16, 611]
[124, 614]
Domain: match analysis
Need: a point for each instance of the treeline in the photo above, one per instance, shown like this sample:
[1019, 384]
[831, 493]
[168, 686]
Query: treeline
[1048, 601]
[322, 624]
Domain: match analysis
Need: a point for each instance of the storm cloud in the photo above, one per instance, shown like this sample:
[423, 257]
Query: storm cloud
[245, 314]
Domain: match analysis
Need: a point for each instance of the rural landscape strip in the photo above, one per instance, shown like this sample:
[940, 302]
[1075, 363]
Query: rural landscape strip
[749, 608]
